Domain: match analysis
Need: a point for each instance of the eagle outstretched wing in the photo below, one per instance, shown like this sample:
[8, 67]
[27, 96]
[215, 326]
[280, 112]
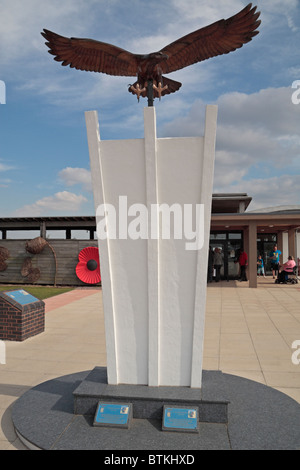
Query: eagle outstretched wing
[219, 38]
[91, 55]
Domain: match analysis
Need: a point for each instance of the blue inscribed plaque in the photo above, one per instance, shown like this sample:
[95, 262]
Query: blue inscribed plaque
[113, 414]
[21, 296]
[180, 419]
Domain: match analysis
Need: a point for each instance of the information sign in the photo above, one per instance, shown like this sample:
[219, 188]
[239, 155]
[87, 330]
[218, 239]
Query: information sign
[183, 419]
[113, 414]
[21, 296]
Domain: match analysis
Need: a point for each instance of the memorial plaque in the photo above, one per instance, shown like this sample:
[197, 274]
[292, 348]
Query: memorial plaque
[113, 415]
[184, 419]
[21, 297]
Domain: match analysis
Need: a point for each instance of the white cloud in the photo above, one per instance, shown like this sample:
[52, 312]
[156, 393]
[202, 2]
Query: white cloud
[195, 11]
[60, 202]
[5, 182]
[271, 109]
[230, 168]
[22, 22]
[257, 137]
[5, 167]
[256, 131]
[269, 192]
[72, 176]
[286, 8]
[261, 127]
[260, 130]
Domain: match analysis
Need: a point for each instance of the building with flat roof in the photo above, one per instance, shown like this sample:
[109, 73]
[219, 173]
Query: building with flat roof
[257, 231]
[232, 226]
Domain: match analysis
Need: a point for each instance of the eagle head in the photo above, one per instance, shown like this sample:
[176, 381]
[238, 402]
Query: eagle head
[156, 56]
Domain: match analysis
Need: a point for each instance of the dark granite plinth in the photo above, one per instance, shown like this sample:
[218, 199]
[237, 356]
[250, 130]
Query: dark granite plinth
[259, 418]
[148, 402]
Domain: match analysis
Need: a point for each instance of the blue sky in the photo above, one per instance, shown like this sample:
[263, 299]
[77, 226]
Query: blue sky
[44, 161]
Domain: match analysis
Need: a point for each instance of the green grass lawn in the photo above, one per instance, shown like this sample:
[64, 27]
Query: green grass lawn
[40, 292]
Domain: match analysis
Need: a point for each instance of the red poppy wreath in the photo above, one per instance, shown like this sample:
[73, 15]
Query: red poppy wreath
[88, 268]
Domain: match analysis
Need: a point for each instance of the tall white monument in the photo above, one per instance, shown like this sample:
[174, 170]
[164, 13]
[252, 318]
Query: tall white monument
[153, 260]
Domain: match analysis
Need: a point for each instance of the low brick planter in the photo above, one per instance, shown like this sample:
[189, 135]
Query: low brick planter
[21, 316]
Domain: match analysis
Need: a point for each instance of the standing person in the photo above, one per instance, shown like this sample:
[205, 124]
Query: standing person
[274, 258]
[260, 266]
[243, 262]
[218, 262]
[210, 266]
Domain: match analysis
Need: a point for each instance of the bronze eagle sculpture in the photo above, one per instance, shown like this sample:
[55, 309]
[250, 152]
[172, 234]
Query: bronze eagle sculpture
[219, 38]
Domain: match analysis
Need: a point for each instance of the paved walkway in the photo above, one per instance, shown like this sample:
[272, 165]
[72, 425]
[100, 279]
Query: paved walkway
[249, 333]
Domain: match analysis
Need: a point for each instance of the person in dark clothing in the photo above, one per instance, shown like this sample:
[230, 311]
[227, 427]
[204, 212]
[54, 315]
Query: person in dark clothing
[218, 262]
[243, 262]
[210, 265]
[274, 259]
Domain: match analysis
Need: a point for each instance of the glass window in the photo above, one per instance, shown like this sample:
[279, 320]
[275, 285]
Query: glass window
[218, 236]
[267, 237]
[235, 236]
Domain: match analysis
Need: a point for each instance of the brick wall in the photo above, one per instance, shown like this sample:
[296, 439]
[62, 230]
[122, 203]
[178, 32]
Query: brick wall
[20, 323]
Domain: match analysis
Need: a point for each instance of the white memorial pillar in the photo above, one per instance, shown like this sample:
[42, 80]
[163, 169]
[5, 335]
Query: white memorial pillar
[153, 262]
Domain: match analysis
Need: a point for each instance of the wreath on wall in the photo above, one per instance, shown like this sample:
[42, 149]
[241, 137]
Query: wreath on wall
[88, 268]
[4, 255]
[36, 246]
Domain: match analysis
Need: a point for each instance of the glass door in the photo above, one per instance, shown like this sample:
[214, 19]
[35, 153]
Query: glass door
[229, 244]
[265, 244]
[221, 245]
[233, 252]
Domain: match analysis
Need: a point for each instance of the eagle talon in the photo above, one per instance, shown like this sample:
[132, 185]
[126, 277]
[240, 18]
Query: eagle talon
[160, 89]
[138, 91]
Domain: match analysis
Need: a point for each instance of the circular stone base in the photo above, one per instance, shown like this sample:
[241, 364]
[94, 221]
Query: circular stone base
[259, 417]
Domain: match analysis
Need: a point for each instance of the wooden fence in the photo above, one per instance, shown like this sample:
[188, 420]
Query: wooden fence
[66, 251]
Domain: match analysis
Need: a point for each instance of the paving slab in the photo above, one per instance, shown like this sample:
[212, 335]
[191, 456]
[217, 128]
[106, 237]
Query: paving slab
[248, 334]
